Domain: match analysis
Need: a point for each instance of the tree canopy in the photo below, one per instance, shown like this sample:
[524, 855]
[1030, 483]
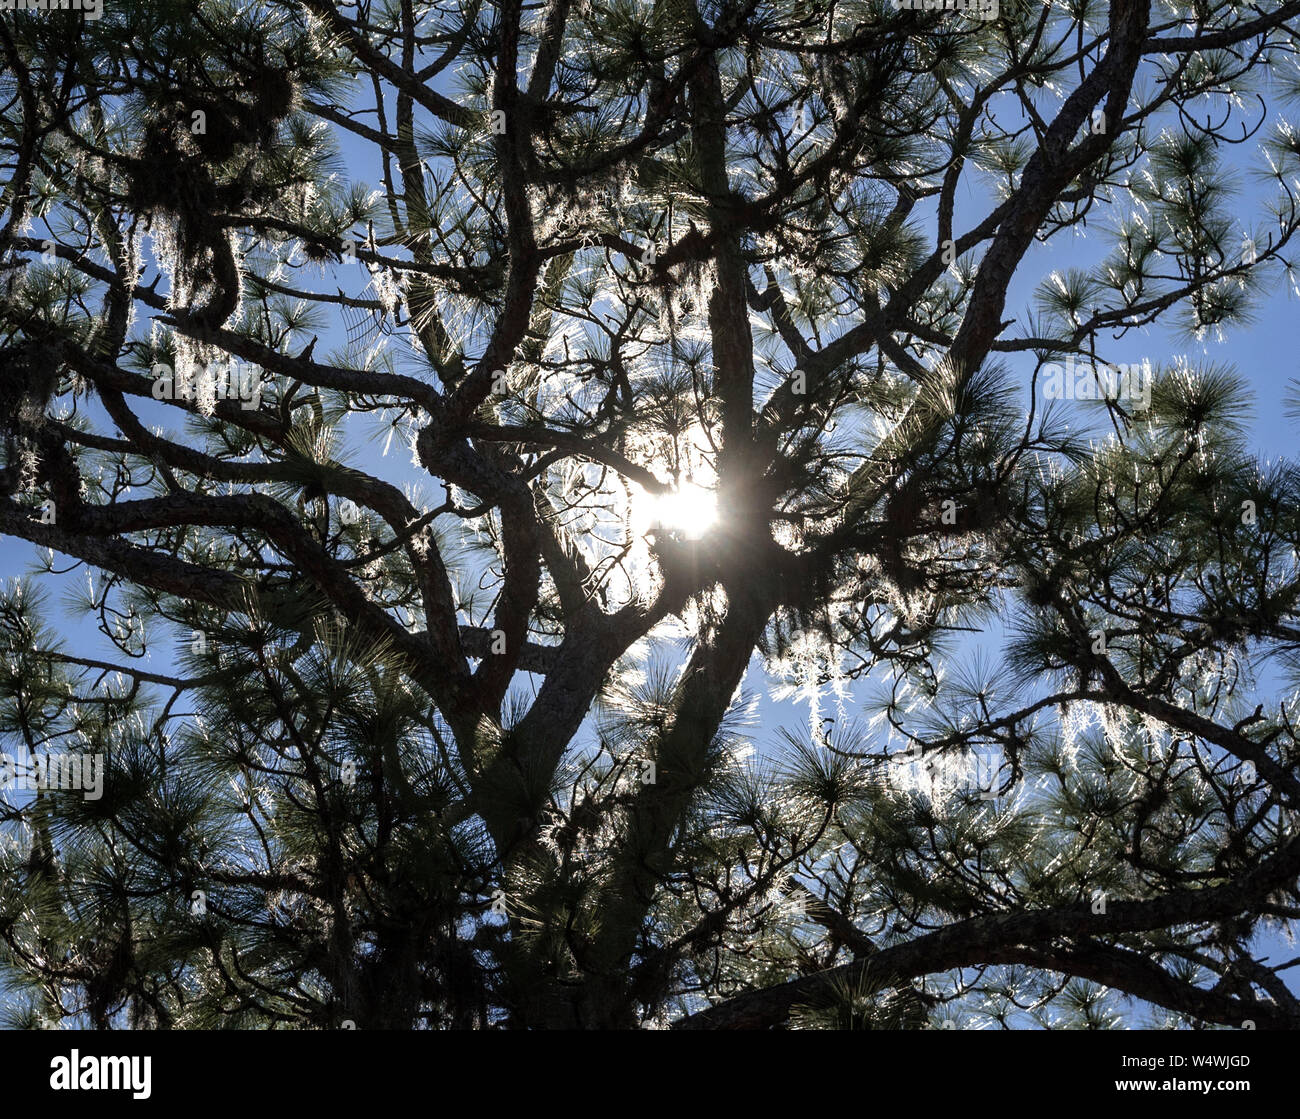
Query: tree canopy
[462, 419]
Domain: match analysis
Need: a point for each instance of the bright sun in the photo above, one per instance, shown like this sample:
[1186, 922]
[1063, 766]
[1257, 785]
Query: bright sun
[690, 510]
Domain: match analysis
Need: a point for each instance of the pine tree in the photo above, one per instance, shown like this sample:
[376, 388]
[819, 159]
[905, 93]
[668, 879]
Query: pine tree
[679, 338]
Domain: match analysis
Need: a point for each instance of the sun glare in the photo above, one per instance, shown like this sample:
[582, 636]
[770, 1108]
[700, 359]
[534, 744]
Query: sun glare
[689, 510]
